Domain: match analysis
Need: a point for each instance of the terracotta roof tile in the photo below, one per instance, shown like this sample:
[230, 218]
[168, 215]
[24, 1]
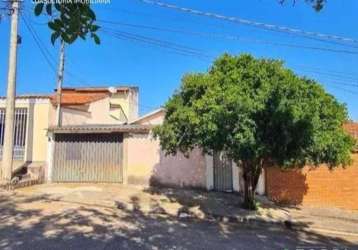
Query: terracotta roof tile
[72, 98]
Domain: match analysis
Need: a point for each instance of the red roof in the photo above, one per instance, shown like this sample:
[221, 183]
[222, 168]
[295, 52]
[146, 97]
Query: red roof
[85, 95]
[78, 98]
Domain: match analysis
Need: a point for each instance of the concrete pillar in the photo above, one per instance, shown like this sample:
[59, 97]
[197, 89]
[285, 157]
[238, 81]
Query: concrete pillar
[209, 162]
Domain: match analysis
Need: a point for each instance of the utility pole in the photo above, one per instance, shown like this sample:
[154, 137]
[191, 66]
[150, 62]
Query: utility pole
[10, 95]
[61, 68]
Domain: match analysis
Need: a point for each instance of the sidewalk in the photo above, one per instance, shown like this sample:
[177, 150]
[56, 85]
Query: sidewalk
[196, 205]
[333, 220]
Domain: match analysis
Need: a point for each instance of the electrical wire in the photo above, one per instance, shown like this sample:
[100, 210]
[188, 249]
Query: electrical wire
[260, 25]
[45, 51]
[32, 32]
[174, 48]
[231, 37]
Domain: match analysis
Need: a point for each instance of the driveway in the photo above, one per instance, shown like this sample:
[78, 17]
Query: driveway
[115, 217]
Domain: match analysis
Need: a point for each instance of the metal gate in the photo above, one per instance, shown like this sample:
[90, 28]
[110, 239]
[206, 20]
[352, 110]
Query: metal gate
[20, 127]
[222, 172]
[88, 158]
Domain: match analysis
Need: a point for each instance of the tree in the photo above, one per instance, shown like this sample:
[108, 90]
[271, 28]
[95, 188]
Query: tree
[260, 114]
[316, 4]
[70, 20]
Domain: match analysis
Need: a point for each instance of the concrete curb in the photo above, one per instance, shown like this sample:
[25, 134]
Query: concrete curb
[288, 224]
[20, 184]
[249, 220]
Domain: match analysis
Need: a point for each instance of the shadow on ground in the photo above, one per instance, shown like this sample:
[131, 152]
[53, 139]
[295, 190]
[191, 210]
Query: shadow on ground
[42, 222]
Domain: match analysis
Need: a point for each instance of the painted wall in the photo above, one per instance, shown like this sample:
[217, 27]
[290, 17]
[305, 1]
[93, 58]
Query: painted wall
[149, 164]
[154, 119]
[316, 187]
[99, 112]
[37, 125]
[40, 126]
[146, 164]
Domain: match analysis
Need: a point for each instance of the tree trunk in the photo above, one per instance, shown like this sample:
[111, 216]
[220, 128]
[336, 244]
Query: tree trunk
[251, 174]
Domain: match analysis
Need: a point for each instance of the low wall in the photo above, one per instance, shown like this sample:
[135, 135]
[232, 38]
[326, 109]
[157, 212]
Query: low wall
[318, 187]
[146, 164]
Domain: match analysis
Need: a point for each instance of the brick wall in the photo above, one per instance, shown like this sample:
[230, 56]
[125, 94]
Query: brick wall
[317, 187]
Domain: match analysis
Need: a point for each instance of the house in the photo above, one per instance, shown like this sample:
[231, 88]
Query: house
[35, 113]
[96, 105]
[31, 123]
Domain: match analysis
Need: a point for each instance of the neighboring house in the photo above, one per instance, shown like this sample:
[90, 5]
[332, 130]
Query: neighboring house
[31, 123]
[96, 105]
[34, 114]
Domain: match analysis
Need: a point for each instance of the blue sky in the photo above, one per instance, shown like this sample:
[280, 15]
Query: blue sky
[157, 71]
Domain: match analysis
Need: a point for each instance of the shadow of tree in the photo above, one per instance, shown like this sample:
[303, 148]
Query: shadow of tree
[45, 222]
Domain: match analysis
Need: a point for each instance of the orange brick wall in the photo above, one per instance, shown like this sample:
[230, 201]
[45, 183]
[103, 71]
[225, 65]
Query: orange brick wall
[317, 187]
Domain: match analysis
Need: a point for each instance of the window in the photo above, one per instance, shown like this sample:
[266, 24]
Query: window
[20, 127]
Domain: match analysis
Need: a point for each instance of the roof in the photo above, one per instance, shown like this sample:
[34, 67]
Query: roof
[148, 115]
[352, 128]
[100, 128]
[86, 95]
[78, 98]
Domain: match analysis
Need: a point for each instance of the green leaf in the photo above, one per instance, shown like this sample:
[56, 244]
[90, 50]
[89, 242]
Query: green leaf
[94, 28]
[96, 39]
[91, 14]
[49, 9]
[38, 9]
[58, 23]
[65, 38]
[73, 38]
[82, 36]
[54, 37]
[53, 26]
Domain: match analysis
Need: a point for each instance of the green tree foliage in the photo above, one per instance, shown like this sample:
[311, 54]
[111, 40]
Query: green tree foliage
[316, 4]
[260, 114]
[70, 20]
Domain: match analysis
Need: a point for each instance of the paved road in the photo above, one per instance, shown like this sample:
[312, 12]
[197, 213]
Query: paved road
[41, 222]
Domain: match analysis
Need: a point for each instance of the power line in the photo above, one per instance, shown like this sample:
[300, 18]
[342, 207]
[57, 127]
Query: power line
[231, 37]
[327, 75]
[51, 61]
[172, 47]
[32, 32]
[179, 46]
[260, 25]
[342, 89]
[341, 83]
[349, 75]
[318, 71]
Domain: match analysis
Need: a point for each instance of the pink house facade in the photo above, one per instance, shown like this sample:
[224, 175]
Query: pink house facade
[103, 140]
[147, 164]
